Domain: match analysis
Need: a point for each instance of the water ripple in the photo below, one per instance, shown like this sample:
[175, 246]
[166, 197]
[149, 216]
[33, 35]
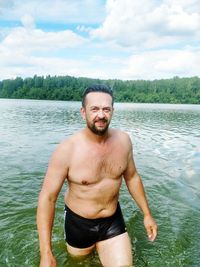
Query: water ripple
[166, 143]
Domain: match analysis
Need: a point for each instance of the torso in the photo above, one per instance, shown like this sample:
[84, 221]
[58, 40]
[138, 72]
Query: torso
[95, 174]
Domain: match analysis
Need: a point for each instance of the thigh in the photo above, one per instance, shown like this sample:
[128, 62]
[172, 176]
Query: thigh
[116, 251]
[79, 252]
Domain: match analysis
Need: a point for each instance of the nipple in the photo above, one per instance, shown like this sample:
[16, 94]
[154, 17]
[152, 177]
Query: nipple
[84, 182]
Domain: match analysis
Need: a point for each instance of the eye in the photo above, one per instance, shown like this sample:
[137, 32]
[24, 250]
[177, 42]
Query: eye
[94, 109]
[107, 110]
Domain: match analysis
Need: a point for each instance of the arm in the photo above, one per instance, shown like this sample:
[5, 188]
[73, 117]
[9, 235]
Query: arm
[53, 181]
[136, 189]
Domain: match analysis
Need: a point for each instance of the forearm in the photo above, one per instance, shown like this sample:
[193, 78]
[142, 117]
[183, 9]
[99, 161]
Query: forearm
[136, 189]
[45, 218]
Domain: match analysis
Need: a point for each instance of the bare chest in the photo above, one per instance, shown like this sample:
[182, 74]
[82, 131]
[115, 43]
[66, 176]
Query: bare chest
[93, 165]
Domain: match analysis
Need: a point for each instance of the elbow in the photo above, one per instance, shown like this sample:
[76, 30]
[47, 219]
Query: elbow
[46, 198]
[46, 204]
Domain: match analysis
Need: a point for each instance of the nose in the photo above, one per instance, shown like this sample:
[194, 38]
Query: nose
[101, 113]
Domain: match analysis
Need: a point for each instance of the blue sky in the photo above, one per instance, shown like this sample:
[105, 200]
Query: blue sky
[120, 39]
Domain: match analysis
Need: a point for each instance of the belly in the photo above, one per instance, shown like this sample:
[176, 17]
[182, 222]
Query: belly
[95, 200]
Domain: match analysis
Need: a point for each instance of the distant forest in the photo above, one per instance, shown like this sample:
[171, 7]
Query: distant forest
[175, 90]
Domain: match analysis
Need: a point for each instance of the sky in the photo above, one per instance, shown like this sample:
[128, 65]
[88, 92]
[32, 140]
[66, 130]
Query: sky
[113, 39]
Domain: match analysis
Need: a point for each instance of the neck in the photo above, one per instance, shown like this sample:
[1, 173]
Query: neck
[95, 137]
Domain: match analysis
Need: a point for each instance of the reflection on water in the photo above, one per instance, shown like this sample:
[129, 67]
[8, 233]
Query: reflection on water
[166, 143]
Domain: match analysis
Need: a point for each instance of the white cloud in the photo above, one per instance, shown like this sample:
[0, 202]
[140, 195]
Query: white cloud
[136, 24]
[29, 66]
[146, 39]
[78, 11]
[26, 51]
[28, 21]
[180, 21]
[163, 64]
[29, 39]
[190, 5]
[5, 4]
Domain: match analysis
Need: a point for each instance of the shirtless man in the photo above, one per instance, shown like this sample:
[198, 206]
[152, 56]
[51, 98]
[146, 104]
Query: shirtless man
[93, 162]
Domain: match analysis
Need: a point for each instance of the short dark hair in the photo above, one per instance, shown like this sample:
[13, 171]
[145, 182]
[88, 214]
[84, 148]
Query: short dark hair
[97, 88]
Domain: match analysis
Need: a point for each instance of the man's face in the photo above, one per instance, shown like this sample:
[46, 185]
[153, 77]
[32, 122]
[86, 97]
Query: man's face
[98, 112]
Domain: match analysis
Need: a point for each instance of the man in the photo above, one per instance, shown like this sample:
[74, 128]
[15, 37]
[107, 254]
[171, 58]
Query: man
[93, 162]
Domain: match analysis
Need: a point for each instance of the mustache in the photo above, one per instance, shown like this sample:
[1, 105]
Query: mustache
[101, 120]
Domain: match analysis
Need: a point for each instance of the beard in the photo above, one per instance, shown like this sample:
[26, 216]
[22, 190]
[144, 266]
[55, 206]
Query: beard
[98, 130]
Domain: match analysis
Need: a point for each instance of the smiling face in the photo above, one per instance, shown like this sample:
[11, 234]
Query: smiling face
[98, 112]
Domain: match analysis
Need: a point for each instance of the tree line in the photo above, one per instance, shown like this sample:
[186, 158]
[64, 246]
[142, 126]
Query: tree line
[174, 90]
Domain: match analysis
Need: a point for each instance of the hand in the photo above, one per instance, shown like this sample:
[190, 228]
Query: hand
[151, 227]
[48, 260]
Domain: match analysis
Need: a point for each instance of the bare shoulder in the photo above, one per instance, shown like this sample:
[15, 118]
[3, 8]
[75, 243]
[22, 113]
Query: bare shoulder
[65, 148]
[122, 136]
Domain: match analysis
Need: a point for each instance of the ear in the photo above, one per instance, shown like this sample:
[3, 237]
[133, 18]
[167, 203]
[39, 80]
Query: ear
[82, 110]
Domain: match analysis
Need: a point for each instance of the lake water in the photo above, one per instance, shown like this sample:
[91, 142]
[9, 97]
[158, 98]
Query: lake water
[166, 141]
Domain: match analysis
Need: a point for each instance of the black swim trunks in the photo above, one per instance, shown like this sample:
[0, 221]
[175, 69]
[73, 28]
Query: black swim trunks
[81, 232]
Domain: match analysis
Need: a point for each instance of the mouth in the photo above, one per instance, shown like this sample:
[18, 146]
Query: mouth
[101, 123]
